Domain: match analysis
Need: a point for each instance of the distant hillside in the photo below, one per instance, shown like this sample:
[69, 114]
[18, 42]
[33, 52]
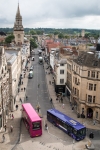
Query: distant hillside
[53, 30]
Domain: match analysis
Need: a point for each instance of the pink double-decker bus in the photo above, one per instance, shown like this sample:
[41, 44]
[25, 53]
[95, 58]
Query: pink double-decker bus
[32, 120]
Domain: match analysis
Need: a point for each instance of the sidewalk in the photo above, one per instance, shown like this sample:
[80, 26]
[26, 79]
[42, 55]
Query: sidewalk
[67, 108]
[11, 138]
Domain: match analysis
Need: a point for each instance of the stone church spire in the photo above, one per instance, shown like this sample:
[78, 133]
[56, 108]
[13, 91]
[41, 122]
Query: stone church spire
[18, 21]
[18, 11]
[18, 28]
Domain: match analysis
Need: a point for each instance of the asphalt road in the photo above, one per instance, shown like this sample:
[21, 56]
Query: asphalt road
[38, 96]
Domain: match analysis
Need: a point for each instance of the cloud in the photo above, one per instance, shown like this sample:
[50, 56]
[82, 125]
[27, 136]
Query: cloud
[54, 13]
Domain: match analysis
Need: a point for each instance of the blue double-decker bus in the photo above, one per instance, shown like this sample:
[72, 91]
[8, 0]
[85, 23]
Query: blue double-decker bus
[70, 126]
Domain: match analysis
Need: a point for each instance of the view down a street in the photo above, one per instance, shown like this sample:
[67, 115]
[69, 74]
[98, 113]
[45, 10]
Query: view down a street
[49, 75]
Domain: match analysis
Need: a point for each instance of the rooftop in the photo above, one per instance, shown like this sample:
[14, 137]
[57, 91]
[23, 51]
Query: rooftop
[89, 59]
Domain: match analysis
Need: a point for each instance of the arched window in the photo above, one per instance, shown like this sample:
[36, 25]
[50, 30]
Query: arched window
[2, 70]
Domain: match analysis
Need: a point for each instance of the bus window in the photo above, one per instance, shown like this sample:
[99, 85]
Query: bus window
[69, 128]
[65, 126]
[74, 131]
[52, 117]
[36, 125]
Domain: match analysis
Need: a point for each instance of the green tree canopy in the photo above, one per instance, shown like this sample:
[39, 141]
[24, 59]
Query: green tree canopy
[39, 32]
[61, 36]
[9, 38]
[32, 32]
[33, 43]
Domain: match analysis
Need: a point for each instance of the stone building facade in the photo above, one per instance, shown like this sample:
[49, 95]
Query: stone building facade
[85, 95]
[14, 66]
[4, 88]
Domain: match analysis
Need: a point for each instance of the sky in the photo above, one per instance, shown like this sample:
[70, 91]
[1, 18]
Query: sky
[84, 14]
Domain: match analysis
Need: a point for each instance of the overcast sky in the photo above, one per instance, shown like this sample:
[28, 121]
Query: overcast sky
[84, 14]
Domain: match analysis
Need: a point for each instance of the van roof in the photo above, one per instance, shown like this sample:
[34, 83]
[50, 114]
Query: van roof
[31, 71]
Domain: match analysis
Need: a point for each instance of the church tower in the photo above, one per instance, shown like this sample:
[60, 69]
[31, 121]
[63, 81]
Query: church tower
[18, 28]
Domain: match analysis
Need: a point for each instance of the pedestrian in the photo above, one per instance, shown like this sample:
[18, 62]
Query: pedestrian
[38, 108]
[72, 109]
[51, 100]
[3, 138]
[5, 127]
[11, 128]
[16, 107]
[49, 82]
[63, 106]
[56, 99]
[12, 116]
[24, 88]
[61, 100]
[46, 126]
[20, 100]
[94, 122]
[38, 85]
[26, 97]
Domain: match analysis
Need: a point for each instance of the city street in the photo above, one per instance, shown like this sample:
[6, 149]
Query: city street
[53, 138]
[38, 95]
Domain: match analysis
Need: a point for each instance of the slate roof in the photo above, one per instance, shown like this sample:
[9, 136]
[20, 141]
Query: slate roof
[11, 56]
[2, 33]
[62, 61]
[89, 59]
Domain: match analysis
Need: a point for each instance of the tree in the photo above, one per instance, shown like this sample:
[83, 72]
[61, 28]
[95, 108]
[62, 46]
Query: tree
[39, 32]
[67, 37]
[61, 36]
[33, 43]
[32, 32]
[9, 38]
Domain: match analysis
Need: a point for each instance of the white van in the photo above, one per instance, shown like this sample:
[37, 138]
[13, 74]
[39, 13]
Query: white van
[32, 58]
[30, 76]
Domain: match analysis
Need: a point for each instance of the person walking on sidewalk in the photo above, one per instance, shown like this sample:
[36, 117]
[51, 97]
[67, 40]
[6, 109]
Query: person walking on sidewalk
[20, 100]
[16, 107]
[24, 88]
[5, 127]
[51, 100]
[3, 138]
[63, 106]
[12, 116]
[11, 128]
[46, 126]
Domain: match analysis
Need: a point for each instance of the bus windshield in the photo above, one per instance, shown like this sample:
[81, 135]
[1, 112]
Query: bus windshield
[36, 125]
[82, 132]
